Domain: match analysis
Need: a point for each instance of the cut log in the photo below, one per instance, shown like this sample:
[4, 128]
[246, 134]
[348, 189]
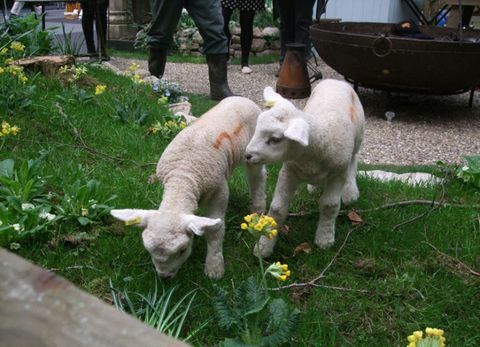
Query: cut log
[38, 308]
[47, 65]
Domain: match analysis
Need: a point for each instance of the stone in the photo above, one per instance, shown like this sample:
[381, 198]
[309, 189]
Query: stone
[194, 46]
[235, 31]
[142, 73]
[197, 38]
[236, 47]
[257, 32]
[258, 45]
[270, 32]
[275, 44]
[235, 39]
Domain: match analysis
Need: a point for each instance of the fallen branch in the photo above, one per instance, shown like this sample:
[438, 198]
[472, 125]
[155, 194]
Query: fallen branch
[396, 204]
[312, 283]
[455, 260]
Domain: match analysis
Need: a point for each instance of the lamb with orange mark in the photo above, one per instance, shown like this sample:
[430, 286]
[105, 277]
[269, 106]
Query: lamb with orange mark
[194, 169]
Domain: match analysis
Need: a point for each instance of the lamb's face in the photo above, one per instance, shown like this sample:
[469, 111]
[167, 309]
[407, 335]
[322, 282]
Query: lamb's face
[268, 144]
[169, 243]
[278, 131]
[168, 236]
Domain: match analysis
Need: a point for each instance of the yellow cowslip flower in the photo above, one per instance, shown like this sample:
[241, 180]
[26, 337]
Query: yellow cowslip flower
[437, 332]
[274, 232]
[14, 130]
[412, 338]
[22, 78]
[412, 344]
[137, 79]
[243, 226]
[162, 100]
[183, 125]
[248, 218]
[279, 271]
[8, 61]
[429, 331]
[5, 128]
[3, 51]
[17, 46]
[99, 89]
[418, 334]
[2, 70]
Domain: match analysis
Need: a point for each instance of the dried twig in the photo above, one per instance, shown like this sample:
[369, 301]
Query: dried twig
[312, 283]
[454, 259]
[74, 267]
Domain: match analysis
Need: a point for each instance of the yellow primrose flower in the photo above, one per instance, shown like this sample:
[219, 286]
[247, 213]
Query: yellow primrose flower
[3, 51]
[418, 334]
[248, 218]
[412, 338]
[2, 70]
[99, 89]
[22, 79]
[5, 128]
[183, 125]
[412, 344]
[244, 226]
[8, 61]
[17, 46]
[163, 100]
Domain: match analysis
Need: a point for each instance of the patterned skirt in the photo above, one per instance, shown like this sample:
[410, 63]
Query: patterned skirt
[244, 5]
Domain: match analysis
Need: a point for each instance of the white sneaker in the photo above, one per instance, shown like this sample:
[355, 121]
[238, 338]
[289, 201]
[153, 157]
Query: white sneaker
[246, 70]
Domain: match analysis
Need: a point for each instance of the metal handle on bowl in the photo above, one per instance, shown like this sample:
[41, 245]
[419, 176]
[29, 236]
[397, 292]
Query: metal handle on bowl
[382, 46]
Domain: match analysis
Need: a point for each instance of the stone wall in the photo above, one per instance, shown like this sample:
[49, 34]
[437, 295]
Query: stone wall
[265, 41]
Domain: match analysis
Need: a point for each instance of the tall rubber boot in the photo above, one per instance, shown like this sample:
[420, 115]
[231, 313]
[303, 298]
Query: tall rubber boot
[217, 74]
[157, 58]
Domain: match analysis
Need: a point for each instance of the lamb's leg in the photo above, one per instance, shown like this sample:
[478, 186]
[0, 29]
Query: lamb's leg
[216, 207]
[256, 176]
[350, 191]
[284, 192]
[329, 207]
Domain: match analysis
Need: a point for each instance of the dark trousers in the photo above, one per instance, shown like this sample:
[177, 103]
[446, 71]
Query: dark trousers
[246, 33]
[89, 15]
[295, 21]
[207, 15]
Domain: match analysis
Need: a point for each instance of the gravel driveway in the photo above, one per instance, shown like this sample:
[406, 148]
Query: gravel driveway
[425, 129]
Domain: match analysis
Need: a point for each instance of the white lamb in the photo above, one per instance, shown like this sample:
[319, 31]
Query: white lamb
[317, 145]
[193, 170]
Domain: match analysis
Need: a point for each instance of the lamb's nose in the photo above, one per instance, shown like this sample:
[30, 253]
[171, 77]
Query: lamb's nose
[248, 156]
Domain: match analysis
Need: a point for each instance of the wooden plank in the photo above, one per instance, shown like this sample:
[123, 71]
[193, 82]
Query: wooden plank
[39, 308]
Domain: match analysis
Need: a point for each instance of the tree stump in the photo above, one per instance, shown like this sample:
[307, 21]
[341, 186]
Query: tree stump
[47, 65]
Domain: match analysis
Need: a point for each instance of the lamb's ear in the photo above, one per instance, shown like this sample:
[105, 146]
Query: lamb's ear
[271, 97]
[199, 225]
[298, 130]
[133, 216]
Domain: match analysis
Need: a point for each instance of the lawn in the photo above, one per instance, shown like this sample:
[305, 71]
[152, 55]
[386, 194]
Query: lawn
[404, 268]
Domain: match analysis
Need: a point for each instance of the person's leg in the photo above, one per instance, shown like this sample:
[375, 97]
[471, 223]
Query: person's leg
[246, 34]
[227, 15]
[165, 17]
[303, 19]
[87, 26]
[286, 10]
[207, 15]
[101, 26]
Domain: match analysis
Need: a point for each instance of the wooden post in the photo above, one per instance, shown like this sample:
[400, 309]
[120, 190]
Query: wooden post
[39, 308]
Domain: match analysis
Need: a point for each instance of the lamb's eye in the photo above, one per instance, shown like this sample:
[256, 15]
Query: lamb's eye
[274, 140]
[183, 250]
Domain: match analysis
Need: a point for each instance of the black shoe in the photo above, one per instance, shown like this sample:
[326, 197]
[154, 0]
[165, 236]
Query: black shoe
[157, 58]
[217, 75]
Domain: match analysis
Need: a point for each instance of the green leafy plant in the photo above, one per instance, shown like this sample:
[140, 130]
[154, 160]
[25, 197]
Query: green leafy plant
[470, 173]
[157, 309]
[68, 45]
[84, 203]
[28, 31]
[256, 318]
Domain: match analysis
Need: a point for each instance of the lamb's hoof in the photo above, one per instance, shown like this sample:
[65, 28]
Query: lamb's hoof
[258, 208]
[325, 242]
[263, 249]
[214, 272]
[350, 195]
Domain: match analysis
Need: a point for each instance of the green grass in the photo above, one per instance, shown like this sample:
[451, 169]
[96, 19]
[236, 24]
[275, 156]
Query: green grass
[176, 57]
[409, 285]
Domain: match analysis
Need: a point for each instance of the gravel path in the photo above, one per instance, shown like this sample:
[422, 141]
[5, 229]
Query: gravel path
[425, 128]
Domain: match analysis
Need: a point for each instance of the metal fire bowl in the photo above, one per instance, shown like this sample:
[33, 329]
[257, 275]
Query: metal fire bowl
[367, 55]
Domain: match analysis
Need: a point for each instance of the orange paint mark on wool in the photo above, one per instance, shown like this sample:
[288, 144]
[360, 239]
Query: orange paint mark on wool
[351, 109]
[238, 130]
[223, 135]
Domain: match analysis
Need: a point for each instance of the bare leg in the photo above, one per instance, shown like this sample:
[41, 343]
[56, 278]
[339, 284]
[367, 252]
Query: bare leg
[256, 176]
[329, 207]
[350, 191]
[284, 192]
[216, 208]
